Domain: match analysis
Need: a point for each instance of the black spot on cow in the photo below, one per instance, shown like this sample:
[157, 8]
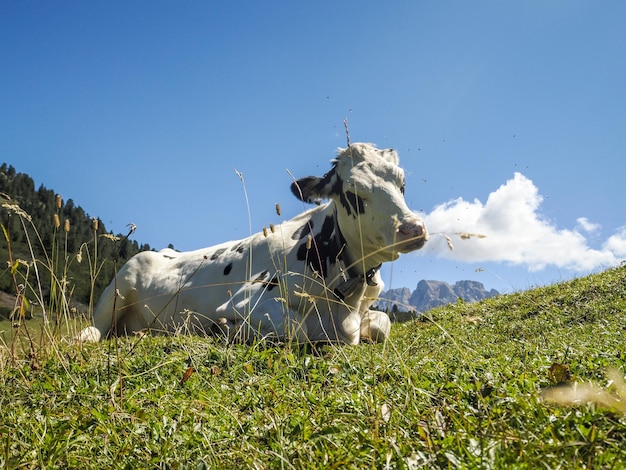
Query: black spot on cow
[303, 231]
[272, 282]
[217, 254]
[228, 268]
[240, 248]
[324, 250]
[351, 202]
[261, 277]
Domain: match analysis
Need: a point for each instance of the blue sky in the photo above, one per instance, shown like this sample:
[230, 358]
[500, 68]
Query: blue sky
[509, 119]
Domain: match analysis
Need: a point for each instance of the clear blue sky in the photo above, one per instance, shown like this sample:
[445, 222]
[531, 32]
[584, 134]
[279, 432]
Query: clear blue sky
[509, 118]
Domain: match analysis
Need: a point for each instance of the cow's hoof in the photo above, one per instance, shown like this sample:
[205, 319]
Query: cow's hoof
[91, 334]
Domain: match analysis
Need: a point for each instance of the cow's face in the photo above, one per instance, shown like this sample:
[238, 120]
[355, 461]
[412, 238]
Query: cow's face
[367, 186]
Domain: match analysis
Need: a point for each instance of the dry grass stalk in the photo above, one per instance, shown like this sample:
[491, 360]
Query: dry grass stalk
[17, 210]
[449, 241]
[467, 236]
[111, 237]
[462, 236]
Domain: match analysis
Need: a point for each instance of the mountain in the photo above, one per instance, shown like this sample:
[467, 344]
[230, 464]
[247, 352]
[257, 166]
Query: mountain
[431, 294]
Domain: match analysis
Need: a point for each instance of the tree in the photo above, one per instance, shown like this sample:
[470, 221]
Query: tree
[59, 254]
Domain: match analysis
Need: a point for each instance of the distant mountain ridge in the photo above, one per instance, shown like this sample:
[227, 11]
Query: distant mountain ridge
[431, 294]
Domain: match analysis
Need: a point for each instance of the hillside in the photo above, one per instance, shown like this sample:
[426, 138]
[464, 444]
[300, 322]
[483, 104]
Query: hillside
[72, 249]
[492, 384]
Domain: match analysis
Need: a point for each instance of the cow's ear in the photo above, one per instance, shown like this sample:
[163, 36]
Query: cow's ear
[313, 189]
[308, 189]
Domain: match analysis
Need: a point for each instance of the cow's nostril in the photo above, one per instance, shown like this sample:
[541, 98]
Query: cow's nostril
[416, 230]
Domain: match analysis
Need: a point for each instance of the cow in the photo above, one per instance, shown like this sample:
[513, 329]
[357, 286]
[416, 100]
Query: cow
[310, 279]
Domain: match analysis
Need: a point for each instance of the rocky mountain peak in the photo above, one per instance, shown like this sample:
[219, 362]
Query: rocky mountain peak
[430, 294]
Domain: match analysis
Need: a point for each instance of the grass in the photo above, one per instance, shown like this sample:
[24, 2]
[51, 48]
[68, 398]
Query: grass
[464, 388]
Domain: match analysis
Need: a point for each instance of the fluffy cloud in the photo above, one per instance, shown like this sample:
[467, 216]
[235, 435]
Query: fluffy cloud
[586, 225]
[516, 233]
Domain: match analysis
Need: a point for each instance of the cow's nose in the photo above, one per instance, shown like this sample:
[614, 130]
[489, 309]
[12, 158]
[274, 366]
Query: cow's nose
[414, 230]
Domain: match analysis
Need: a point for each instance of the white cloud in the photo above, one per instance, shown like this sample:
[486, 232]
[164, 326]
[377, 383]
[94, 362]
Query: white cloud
[587, 226]
[517, 233]
[617, 243]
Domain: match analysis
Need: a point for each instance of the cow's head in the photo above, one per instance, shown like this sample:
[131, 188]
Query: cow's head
[367, 187]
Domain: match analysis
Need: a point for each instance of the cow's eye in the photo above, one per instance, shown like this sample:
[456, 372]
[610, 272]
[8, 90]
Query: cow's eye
[402, 188]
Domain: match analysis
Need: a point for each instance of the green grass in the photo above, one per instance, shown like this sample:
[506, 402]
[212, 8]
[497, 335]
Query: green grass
[461, 389]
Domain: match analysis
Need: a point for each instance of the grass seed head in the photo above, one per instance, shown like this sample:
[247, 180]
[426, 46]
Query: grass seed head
[272, 228]
[57, 221]
[66, 226]
[17, 210]
[95, 224]
[449, 240]
[309, 241]
[59, 201]
[467, 236]
[305, 295]
[277, 209]
[111, 237]
[265, 231]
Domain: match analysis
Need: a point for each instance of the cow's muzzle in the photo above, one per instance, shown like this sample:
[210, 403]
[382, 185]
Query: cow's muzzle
[411, 236]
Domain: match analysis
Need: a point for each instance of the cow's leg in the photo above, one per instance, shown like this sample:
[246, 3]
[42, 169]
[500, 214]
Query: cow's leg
[271, 318]
[267, 319]
[221, 327]
[375, 326]
[255, 312]
[131, 317]
[102, 318]
[103, 315]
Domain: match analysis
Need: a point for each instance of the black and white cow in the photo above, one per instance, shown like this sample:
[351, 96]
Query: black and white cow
[312, 278]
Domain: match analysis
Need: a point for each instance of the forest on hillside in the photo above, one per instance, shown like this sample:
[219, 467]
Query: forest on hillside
[51, 249]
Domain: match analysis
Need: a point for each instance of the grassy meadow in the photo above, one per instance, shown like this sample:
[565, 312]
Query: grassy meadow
[527, 380]
[530, 380]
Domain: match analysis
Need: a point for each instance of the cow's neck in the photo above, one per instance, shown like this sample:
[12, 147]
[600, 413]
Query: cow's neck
[358, 271]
